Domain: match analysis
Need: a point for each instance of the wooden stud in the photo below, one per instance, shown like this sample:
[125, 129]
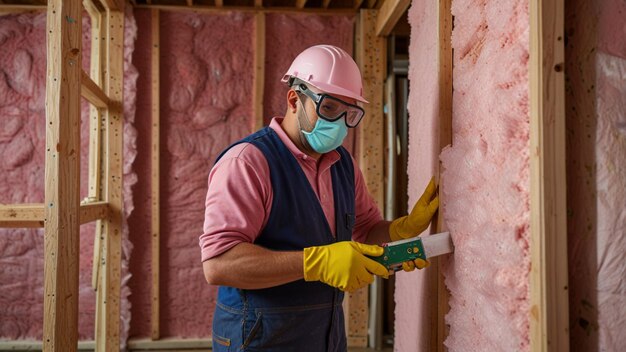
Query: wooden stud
[259, 70]
[31, 345]
[389, 14]
[251, 9]
[62, 175]
[108, 318]
[549, 315]
[258, 3]
[357, 4]
[95, 129]
[445, 139]
[219, 3]
[92, 92]
[325, 3]
[6, 9]
[32, 215]
[300, 4]
[371, 4]
[189, 2]
[93, 211]
[113, 5]
[371, 57]
[22, 215]
[372, 62]
[169, 344]
[156, 175]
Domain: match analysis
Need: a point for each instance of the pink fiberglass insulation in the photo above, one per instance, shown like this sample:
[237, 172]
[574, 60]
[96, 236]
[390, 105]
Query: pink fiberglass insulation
[486, 178]
[596, 169]
[22, 146]
[485, 188]
[139, 220]
[412, 313]
[206, 103]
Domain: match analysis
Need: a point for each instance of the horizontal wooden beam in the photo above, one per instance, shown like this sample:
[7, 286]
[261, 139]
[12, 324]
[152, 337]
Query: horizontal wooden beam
[133, 344]
[21, 215]
[92, 92]
[248, 9]
[389, 14]
[6, 9]
[168, 344]
[112, 5]
[32, 215]
[93, 211]
[32, 345]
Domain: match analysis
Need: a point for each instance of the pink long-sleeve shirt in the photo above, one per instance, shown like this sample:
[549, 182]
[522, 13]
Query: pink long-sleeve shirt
[239, 197]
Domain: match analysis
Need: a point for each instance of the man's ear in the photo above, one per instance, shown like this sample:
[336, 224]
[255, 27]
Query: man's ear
[292, 99]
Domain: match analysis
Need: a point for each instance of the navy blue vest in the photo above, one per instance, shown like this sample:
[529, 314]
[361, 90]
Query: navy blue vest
[298, 316]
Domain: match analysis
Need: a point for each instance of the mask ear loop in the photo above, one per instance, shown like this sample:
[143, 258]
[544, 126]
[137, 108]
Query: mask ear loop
[303, 140]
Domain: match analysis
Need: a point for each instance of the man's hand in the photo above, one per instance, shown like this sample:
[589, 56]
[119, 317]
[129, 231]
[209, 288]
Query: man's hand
[419, 219]
[343, 265]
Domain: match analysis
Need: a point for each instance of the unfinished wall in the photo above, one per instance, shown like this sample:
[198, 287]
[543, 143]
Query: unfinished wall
[22, 146]
[206, 103]
[413, 298]
[485, 180]
[596, 169]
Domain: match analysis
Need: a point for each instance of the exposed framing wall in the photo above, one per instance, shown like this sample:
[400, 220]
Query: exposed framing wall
[549, 320]
[549, 312]
[63, 212]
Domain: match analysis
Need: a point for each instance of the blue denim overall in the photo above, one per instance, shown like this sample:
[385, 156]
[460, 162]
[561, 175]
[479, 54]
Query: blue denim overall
[298, 316]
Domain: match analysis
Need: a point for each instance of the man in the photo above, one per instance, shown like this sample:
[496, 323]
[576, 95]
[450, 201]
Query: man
[288, 217]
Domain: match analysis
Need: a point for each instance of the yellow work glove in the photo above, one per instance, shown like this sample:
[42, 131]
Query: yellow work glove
[343, 265]
[417, 263]
[419, 219]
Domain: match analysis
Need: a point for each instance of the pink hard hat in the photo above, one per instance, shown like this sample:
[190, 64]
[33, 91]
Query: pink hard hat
[329, 69]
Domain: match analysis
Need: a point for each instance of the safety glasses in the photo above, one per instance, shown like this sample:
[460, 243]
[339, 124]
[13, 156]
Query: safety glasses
[332, 109]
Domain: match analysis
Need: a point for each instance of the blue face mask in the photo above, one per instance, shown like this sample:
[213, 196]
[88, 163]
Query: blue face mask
[326, 135]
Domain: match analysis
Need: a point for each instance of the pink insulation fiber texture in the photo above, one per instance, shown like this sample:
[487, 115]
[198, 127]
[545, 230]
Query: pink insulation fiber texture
[486, 178]
[596, 173]
[22, 145]
[206, 103]
[412, 296]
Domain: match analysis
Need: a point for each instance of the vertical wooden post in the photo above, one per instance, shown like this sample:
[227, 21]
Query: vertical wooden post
[95, 131]
[549, 325]
[371, 56]
[62, 172]
[445, 138]
[156, 174]
[108, 338]
[259, 70]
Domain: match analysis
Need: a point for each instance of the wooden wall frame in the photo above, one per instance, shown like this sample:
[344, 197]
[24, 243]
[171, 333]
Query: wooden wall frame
[63, 212]
[549, 315]
[155, 151]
